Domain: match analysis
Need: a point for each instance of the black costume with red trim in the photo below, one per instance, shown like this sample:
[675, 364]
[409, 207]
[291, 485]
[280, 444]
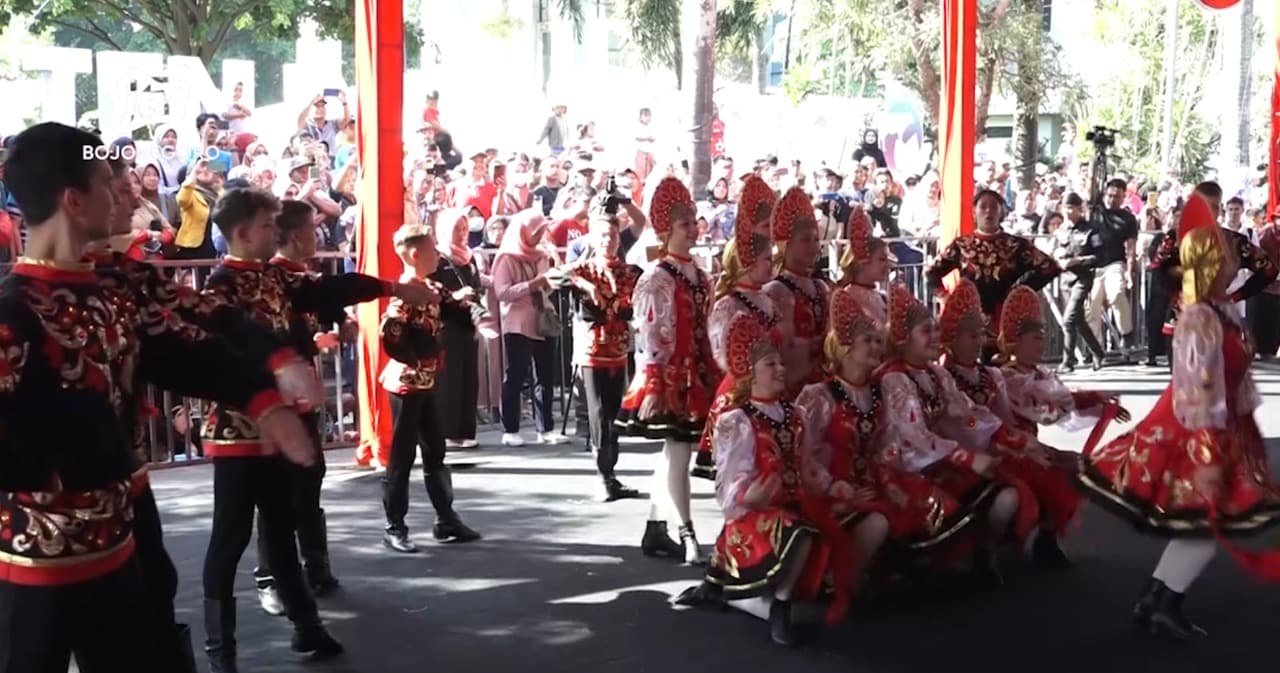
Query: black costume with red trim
[79, 344]
[305, 482]
[247, 471]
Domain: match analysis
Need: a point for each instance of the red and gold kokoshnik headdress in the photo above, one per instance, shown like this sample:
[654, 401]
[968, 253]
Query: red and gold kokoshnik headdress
[962, 310]
[755, 193]
[849, 318]
[1019, 315]
[792, 209]
[749, 341]
[905, 312]
[670, 193]
[859, 236]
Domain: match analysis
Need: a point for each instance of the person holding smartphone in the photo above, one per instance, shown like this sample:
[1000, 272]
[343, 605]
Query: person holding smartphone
[314, 118]
[211, 127]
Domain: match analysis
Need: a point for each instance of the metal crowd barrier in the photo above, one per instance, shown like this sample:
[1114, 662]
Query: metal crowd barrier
[174, 432]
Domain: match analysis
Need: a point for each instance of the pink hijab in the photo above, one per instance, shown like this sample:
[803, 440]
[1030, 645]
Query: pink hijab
[524, 237]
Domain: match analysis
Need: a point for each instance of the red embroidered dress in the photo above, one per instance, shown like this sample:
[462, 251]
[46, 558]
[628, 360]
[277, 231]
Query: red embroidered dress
[844, 433]
[802, 303]
[674, 361]
[1159, 476]
[754, 549]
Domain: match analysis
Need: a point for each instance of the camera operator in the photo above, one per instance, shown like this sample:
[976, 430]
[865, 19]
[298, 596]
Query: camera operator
[1115, 264]
[1076, 248]
[603, 285]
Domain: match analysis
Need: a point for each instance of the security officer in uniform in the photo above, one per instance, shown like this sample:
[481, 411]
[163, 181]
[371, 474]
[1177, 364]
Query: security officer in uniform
[1076, 249]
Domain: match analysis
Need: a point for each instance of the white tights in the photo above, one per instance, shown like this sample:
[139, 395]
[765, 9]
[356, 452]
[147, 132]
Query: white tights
[1183, 561]
[671, 482]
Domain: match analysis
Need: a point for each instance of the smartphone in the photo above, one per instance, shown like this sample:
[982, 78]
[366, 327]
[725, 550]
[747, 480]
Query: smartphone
[315, 173]
[1153, 199]
[499, 172]
[224, 125]
[331, 92]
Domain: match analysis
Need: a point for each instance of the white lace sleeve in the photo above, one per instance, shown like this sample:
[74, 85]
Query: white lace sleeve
[1199, 391]
[965, 422]
[735, 452]
[722, 315]
[654, 301]
[909, 443]
[817, 408]
[1000, 405]
[1042, 399]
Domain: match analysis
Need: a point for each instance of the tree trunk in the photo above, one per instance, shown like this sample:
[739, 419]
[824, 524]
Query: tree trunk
[986, 84]
[1027, 121]
[699, 21]
[1245, 80]
[760, 61]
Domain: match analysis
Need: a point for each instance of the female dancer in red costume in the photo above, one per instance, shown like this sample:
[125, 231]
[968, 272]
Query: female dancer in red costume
[866, 262]
[1033, 395]
[746, 266]
[676, 374]
[930, 427]
[1195, 467]
[844, 429]
[780, 539]
[800, 297]
[1046, 471]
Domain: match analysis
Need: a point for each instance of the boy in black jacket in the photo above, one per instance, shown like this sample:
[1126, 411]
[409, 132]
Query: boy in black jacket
[410, 335]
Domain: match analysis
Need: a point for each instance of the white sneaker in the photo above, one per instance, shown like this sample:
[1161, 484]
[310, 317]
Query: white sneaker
[468, 444]
[452, 444]
[553, 438]
[512, 439]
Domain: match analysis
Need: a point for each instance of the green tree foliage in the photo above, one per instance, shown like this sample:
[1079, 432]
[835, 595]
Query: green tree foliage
[196, 27]
[1130, 99]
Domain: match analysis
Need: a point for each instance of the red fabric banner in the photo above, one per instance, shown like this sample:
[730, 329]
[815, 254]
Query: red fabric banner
[1273, 166]
[956, 118]
[379, 48]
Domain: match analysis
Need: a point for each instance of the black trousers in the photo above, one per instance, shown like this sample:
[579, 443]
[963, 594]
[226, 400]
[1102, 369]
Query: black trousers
[101, 621]
[1265, 311]
[604, 391]
[414, 417]
[240, 485]
[518, 351]
[1074, 325]
[159, 578]
[304, 495]
[1154, 315]
[459, 384]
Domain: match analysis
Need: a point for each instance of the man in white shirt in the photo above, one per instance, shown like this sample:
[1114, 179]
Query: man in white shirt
[645, 142]
[237, 113]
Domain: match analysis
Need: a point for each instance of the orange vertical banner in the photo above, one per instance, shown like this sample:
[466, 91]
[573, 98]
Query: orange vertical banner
[956, 118]
[379, 47]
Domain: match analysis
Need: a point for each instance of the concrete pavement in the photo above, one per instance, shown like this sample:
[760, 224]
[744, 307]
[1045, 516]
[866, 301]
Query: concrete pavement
[559, 585]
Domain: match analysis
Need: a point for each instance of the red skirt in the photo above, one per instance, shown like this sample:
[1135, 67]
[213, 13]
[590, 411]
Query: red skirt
[683, 402]
[1054, 490]
[922, 514]
[1156, 476]
[754, 552]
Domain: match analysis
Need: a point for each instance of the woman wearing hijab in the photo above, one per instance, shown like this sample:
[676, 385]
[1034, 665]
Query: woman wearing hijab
[458, 274]
[489, 368]
[523, 274]
[149, 177]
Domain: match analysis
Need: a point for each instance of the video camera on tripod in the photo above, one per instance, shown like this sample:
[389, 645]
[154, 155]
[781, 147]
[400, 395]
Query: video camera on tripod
[1103, 139]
